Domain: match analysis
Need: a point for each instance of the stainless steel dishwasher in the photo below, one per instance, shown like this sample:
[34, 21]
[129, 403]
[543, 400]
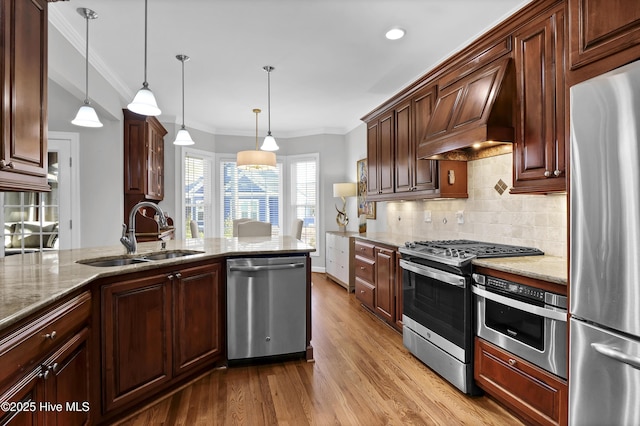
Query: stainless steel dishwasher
[266, 306]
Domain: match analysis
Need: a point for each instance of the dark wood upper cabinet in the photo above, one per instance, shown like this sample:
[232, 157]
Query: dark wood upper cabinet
[143, 160]
[539, 147]
[23, 119]
[380, 155]
[412, 117]
[604, 34]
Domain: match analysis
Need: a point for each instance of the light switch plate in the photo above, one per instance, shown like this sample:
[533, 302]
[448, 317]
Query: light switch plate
[427, 216]
[460, 216]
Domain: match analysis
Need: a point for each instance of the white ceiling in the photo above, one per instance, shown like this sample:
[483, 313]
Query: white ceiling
[332, 62]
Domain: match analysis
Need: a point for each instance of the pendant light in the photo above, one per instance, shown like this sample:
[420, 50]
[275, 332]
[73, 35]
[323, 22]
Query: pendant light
[86, 116]
[256, 159]
[183, 137]
[144, 102]
[269, 143]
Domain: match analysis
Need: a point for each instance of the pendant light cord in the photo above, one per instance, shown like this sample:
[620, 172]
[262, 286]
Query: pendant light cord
[269, 99]
[268, 69]
[86, 65]
[257, 111]
[182, 60]
[145, 84]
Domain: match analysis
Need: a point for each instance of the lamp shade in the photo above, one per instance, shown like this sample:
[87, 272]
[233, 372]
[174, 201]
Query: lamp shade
[144, 103]
[86, 117]
[269, 144]
[255, 159]
[344, 189]
[183, 138]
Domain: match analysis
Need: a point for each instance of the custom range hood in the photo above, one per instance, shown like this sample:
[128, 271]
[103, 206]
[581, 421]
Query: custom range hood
[473, 113]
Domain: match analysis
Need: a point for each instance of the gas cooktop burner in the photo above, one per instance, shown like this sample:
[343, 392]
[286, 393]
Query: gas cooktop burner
[461, 252]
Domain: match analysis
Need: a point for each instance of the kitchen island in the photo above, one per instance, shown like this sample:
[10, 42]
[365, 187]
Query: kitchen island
[112, 338]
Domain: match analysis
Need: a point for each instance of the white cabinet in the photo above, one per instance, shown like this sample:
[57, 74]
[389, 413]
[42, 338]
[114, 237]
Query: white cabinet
[338, 258]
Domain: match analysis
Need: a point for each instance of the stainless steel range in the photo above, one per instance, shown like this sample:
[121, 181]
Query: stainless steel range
[438, 303]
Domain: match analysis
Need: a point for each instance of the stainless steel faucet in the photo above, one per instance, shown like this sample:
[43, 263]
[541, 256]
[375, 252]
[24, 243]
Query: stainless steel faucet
[130, 241]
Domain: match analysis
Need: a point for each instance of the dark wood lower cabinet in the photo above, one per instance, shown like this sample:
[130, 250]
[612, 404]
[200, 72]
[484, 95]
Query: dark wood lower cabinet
[136, 329]
[535, 395]
[197, 295]
[385, 284]
[44, 368]
[156, 329]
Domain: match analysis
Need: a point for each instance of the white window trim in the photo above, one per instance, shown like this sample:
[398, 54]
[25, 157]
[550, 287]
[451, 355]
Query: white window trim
[288, 214]
[209, 231]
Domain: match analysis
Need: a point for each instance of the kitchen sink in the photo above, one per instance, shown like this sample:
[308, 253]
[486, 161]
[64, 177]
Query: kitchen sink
[170, 254]
[118, 261]
[142, 258]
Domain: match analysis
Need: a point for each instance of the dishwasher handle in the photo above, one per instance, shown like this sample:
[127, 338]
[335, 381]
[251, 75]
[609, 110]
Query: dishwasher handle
[259, 268]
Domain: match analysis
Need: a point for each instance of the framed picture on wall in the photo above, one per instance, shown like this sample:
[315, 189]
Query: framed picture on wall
[364, 207]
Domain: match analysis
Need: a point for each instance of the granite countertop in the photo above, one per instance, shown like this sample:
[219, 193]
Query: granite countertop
[33, 281]
[546, 268]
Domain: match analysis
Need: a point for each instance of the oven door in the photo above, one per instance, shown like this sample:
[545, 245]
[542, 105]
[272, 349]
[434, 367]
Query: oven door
[535, 333]
[439, 301]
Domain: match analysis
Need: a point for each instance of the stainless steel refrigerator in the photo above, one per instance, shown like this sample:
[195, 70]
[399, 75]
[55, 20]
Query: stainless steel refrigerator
[604, 367]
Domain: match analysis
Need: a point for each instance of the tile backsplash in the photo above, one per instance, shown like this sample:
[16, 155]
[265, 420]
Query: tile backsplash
[490, 213]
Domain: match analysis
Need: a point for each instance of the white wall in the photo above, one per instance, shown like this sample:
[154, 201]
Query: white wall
[101, 170]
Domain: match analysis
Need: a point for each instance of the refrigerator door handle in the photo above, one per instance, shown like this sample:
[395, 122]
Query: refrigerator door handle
[617, 355]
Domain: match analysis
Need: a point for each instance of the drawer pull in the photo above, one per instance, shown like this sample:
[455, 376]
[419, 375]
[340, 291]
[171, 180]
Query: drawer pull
[512, 361]
[54, 367]
[51, 336]
[5, 165]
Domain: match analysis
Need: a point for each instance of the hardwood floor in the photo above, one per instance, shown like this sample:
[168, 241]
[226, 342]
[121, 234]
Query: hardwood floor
[362, 375]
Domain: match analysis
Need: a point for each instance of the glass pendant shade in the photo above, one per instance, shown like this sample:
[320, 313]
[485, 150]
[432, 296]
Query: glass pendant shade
[86, 117]
[144, 103]
[183, 137]
[269, 144]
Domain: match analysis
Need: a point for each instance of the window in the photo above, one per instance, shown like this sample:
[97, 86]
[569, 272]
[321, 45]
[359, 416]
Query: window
[253, 194]
[197, 192]
[261, 195]
[304, 195]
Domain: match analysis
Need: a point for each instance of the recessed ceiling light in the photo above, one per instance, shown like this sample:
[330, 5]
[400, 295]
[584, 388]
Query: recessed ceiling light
[395, 33]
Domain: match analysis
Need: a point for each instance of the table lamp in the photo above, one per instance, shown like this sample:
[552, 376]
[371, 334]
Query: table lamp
[343, 190]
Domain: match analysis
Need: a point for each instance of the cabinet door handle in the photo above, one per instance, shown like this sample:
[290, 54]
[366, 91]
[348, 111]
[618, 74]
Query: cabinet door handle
[557, 173]
[51, 336]
[5, 165]
[54, 367]
[178, 275]
[512, 362]
[547, 173]
[44, 372]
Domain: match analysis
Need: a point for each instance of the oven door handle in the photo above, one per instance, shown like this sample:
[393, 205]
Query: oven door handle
[558, 315]
[445, 277]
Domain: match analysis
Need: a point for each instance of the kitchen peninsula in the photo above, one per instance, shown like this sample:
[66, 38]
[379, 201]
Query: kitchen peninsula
[114, 337]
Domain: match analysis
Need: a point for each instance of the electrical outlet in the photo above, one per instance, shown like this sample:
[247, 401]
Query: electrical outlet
[427, 216]
[460, 216]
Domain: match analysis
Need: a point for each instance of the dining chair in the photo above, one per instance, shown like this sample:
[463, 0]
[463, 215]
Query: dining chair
[254, 229]
[296, 229]
[238, 221]
[195, 233]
